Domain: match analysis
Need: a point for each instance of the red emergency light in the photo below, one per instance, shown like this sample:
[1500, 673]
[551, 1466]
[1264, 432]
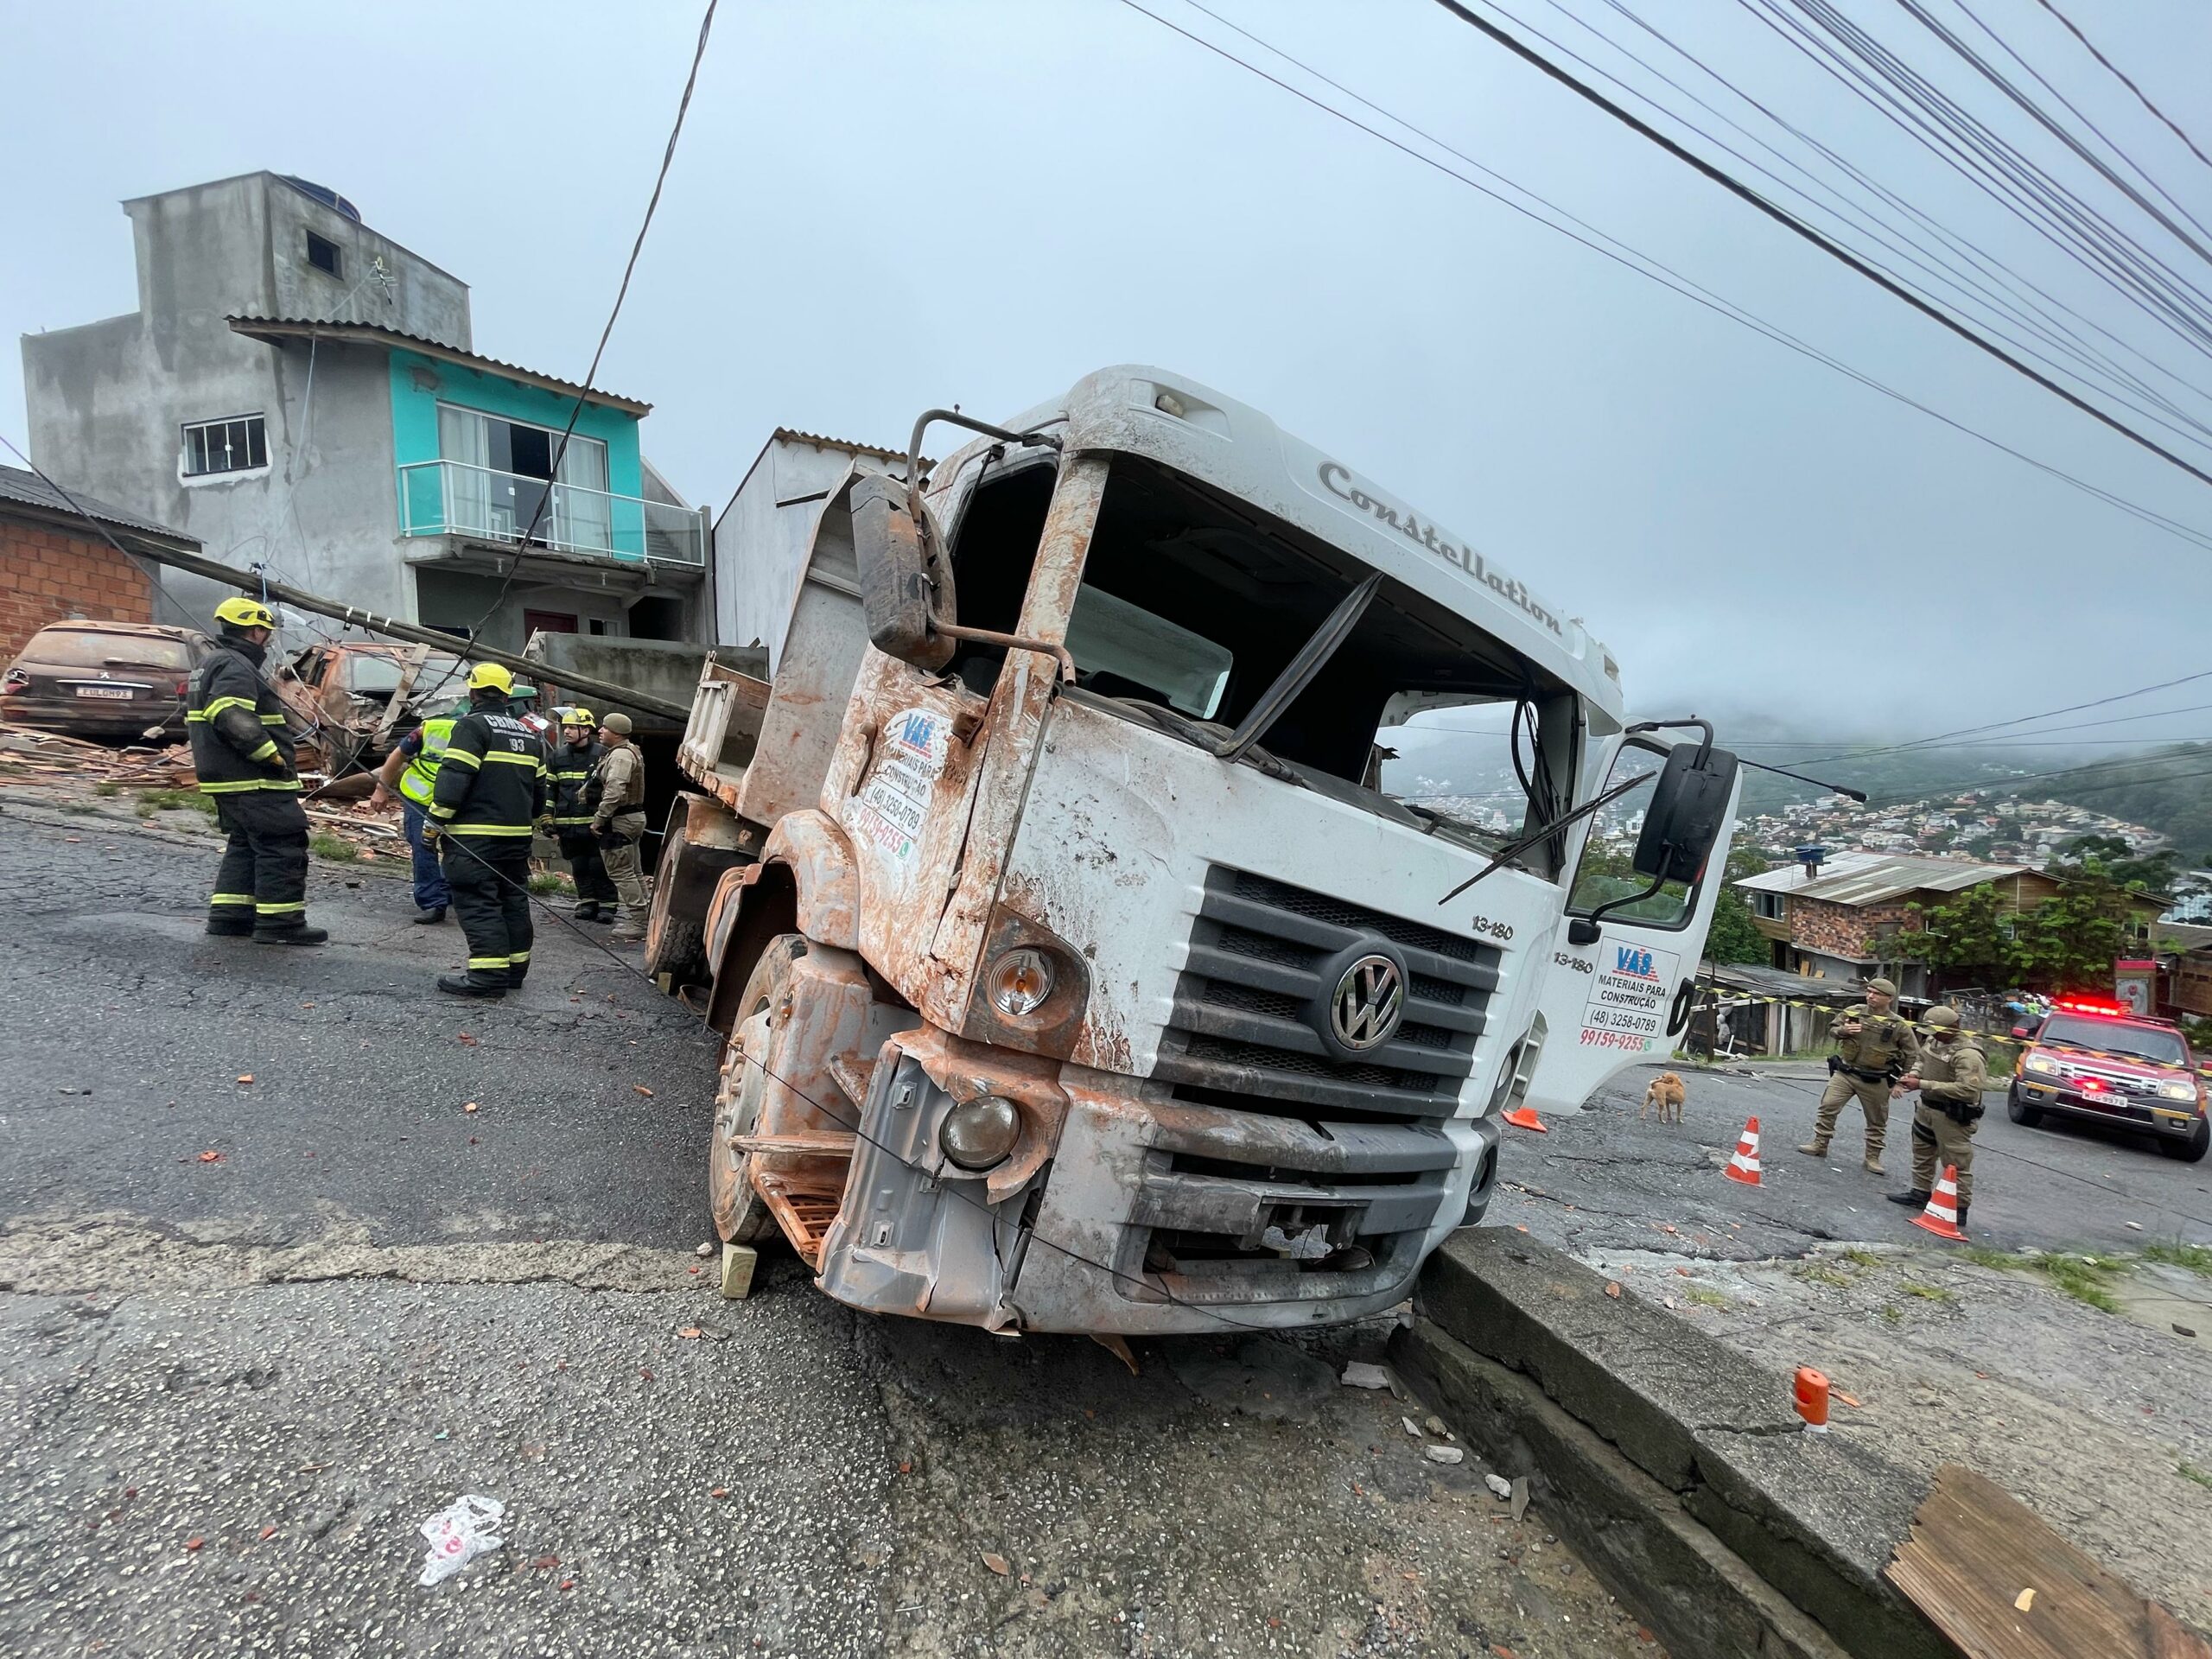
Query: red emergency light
[2092, 1005]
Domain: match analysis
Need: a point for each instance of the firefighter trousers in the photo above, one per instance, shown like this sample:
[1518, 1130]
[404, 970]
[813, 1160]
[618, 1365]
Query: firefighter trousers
[1873, 1100]
[580, 848]
[490, 878]
[1939, 1138]
[262, 886]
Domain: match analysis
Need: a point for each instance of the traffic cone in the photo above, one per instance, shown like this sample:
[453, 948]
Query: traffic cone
[1745, 1165]
[1524, 1117]
[1941, 1218]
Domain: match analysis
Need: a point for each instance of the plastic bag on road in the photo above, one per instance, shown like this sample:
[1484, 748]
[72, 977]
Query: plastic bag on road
[459, 1533]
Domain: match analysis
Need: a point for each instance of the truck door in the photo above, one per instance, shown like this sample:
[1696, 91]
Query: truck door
[1618, 986]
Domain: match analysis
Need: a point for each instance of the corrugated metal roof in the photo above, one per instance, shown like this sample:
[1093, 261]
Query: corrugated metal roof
[29, 490]
[1880, 878]
[841, 443]
[273, 329]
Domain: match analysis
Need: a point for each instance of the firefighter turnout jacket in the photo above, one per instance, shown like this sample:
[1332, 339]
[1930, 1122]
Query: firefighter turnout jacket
[571, 771]
[240, 744]
[491, 780]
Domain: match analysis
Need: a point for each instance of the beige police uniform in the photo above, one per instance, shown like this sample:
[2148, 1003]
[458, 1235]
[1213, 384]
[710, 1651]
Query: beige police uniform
[1869, 1060]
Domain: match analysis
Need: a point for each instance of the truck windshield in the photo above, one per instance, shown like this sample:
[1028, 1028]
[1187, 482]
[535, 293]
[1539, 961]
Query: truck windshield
[1191, 604]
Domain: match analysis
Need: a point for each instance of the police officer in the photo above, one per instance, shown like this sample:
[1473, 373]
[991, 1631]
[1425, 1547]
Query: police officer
[412, 769]
[489, 792]
[243, 753]
[1950, 1078]
[618, 820]
[575, 756]
[1874, 1047]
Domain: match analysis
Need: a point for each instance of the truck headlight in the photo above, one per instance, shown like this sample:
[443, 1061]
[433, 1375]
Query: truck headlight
[2042, 1065]
[2186, 1091]
[978, 1134]
[1020, 980]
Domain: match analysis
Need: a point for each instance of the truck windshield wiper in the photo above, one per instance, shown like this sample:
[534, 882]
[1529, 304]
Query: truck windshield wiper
[1513, 850]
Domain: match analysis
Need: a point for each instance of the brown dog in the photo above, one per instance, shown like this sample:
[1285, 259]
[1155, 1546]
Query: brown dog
[1665, 1092]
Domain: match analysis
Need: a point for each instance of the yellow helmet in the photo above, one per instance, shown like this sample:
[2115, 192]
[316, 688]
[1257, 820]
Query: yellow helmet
[576, 715]
[244, 613]
[491, 674]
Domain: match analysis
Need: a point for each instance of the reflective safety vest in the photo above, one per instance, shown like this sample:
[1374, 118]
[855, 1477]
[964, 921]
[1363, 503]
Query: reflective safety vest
[421, 778]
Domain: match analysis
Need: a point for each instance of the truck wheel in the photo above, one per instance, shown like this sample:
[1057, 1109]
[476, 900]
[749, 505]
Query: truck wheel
[2020, 1111]
[740, 1215]
[679, 951]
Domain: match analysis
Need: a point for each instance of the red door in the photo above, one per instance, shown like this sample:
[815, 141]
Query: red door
[548, 622]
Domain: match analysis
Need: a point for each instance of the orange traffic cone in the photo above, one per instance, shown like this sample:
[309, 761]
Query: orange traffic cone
[1524, 1117]
[1745, 1165]
[1941, 1218]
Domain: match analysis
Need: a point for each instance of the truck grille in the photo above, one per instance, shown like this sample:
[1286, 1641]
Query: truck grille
[1240, 1028]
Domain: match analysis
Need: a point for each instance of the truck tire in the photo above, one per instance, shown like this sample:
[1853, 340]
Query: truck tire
[741, 1217]
[680, 952]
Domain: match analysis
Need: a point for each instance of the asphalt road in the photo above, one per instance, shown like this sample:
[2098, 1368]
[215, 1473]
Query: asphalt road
[233, 1386]
[1604, 1179]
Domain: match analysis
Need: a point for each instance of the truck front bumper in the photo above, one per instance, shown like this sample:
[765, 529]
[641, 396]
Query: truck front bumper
[1117, 1214]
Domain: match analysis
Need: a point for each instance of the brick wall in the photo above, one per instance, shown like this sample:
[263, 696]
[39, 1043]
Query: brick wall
[1840, 929]
[49, 576]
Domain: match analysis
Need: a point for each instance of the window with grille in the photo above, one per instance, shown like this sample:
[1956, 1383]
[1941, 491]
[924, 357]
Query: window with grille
[233, 446]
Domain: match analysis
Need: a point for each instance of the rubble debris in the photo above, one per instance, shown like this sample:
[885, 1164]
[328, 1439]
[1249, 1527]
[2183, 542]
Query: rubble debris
[1500, 1485]
[1361, 1375]
[1444, 1454]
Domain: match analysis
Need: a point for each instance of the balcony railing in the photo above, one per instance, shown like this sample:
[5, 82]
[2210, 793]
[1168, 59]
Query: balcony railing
[452, 497]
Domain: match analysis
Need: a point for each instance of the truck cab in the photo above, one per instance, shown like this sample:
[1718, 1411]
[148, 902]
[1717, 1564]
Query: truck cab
[1157, 858]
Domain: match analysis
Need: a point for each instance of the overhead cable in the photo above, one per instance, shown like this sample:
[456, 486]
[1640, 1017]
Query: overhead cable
[1631, 259]
[1826, 245]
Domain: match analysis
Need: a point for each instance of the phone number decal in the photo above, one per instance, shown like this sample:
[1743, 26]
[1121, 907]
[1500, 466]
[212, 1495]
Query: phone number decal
[1592, 1038]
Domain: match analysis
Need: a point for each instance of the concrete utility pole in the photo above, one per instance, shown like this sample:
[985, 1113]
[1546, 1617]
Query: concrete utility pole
[248, 582]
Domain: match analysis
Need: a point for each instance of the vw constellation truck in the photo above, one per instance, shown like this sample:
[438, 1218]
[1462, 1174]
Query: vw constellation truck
[1157, 857]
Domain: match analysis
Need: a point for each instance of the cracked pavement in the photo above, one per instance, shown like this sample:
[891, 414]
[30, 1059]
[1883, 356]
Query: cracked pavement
[231, 1388]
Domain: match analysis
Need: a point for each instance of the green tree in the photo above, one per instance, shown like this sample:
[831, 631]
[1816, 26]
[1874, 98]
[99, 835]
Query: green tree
[1735, 936]
[1970, 940]
[2112, 858]
[2070, 940]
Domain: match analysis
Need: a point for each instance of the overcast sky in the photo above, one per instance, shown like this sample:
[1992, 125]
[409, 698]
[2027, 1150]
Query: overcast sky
[881, 206]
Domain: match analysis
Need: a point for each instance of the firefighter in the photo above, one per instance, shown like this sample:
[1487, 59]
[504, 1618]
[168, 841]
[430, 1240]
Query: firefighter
[489, 792]
[1950, 1078]
[1875, 1047]
[618, 820]
[412, 769]
[243, 753]
[575, 756]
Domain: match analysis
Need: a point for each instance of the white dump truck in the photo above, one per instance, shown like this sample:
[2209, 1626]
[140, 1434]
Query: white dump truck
[1157, 857]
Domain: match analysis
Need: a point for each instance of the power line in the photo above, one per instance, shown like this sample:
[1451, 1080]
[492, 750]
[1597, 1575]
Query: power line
[2076, 111]
[1790, 221]
[2023, 720]
[1832, 62]
[1650, 268]
[2141, 97]
[1851, 215]
[2036, 316]
[591, 374]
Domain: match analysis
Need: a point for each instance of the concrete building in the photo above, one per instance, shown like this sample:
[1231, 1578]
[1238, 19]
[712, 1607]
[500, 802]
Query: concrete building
[295, 390]
[56, 568]
[763, 535]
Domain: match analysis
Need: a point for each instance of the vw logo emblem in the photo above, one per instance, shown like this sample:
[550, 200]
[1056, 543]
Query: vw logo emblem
[1365, 1007]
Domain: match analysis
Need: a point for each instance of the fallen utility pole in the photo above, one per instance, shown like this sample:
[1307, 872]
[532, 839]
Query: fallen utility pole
[253, 582]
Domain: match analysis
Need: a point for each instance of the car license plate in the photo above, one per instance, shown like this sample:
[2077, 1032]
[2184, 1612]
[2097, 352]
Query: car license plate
[118, 693]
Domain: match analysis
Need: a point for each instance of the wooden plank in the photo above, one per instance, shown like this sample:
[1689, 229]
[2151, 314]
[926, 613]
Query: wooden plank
[825, 1143]
[1975, 1548]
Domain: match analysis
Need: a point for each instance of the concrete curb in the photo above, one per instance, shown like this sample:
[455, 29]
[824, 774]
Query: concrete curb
[1675, 1431]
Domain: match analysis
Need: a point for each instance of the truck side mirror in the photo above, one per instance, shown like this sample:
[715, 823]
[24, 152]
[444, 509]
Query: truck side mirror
[1690, 806]
[895, 574]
